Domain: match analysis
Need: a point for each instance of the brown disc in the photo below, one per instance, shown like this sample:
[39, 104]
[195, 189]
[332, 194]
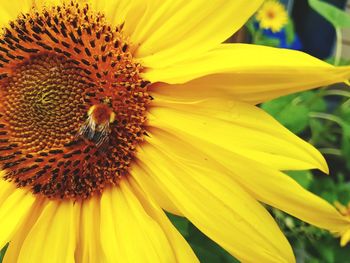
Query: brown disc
[72, 102]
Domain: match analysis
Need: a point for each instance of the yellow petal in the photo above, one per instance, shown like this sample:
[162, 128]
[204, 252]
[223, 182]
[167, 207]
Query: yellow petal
[180, 247]
[15, 205]
[219, 208]
[17, 240]
[4, 17]
[11, 9]
[53, 236]
[262, 182]
[118, 12]
[41, 3]
[156, 191]
[237, 127]
[171, 31]
[109, 229]
[128, 233]
[247, 73]
[345, 238]
[281, 191]
[89, 247]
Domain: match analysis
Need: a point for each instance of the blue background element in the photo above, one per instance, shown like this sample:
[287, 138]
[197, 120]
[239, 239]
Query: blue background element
[316, 34]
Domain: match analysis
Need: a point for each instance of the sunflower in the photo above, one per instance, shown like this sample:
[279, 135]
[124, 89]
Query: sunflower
[113, 111]
[272, 15]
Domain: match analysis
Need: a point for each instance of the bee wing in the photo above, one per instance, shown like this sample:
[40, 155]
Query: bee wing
[88, 129]
[96, 133]
[102, 135]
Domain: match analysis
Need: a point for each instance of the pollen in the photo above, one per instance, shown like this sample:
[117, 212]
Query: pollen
[72, 103]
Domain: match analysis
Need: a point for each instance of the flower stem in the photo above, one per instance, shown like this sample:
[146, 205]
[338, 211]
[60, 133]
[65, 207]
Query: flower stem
[326, 116]
[334, 92]
[338, 49]
[331, 151]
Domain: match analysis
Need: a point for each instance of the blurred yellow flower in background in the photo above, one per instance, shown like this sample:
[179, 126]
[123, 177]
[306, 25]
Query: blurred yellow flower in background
[345, 211]
[113, 111]
[272, 15]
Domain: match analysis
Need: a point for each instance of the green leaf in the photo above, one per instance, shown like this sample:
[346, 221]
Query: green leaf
[313, 100]
[345, 147]
[290, 32]
[180, 223]
[304, 178]
[292, 115]
[295, 118]
[341, 254]
[343, 194]
[321, 133]
[250, 26]
[293, 110]
[3, 251]
[326, 188]
[266, 41]
[206, 250]
[205, 255]
[327, 254]
[337, 17]
[342, 62]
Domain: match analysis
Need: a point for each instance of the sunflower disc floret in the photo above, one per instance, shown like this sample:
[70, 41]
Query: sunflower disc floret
[56, 65]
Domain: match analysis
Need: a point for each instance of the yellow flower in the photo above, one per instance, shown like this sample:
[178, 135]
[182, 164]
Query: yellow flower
[272, 15]
[345, 211]
[111, 111]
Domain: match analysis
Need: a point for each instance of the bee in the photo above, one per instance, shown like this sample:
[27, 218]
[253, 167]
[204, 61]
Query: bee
[96, 128]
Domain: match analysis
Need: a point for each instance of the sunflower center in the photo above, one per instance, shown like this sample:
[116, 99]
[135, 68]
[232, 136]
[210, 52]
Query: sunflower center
[72, 102]
[41, 102]
[271, 14]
